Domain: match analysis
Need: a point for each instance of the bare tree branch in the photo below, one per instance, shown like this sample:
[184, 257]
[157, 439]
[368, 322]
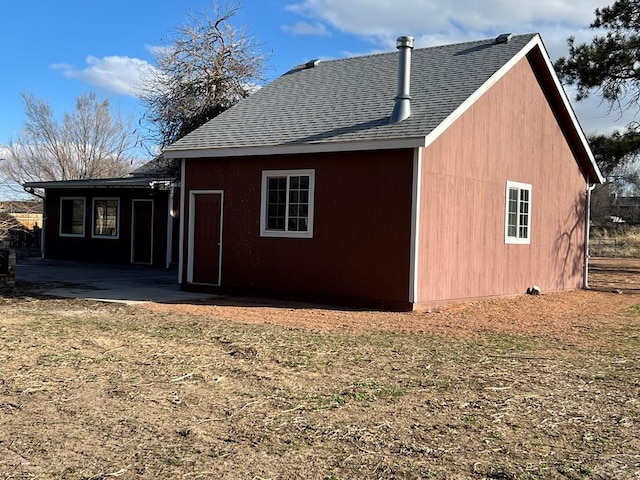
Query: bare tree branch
[88, 143]
[209, 67]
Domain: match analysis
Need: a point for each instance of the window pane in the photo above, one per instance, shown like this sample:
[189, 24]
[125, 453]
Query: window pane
[277, 183]
[105, 214]
[518, 212]
[72, 216]
[512, 217]
[276, 202]
[524, 214]
[524, 232]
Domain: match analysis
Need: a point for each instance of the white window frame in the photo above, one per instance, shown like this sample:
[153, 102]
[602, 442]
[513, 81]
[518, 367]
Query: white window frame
[266, 174]
[510, 239]
[84, 215]
[93, 218]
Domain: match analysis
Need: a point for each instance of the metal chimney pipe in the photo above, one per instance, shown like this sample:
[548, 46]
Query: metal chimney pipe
[402, 108]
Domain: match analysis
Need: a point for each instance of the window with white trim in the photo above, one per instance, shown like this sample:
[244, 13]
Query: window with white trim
[106, 217]
[518, 213]
[286, 209]
[72, 216]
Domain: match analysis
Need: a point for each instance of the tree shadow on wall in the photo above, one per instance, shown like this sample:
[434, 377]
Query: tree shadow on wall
[569, 245]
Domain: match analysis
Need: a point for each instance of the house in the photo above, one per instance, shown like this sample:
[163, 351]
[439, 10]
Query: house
[401, 180]
[113, 220]
[27, 213]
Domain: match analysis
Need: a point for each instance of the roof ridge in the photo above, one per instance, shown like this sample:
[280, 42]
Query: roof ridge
[305, 65]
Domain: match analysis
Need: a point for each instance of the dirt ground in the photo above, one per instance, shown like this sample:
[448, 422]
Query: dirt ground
[560, 315]
[509, 388]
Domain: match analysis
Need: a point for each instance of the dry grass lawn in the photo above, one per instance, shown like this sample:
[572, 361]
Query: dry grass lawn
[516, 388]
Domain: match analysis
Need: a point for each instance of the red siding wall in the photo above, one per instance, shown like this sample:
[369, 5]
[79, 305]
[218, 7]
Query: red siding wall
[362, 226]
[509, 134]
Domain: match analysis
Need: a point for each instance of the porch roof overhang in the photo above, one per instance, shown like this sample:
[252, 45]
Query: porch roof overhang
[129, 182]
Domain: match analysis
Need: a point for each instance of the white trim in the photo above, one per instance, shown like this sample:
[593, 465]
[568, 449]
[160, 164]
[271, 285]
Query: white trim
[183, 183]
[569, 107]
[587, 227]
[133, 230]
[416, 196]
[170, 226]
[45, 214]
[93, 219]
[84, 218]
[192, 224]
[266, 174]
[297, 148]
[507, 238]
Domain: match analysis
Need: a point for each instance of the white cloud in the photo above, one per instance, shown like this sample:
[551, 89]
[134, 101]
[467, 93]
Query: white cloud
[306, 28]
[596, 116]
[123, 75]
[436, 22]
[156, 50]
[380, 18]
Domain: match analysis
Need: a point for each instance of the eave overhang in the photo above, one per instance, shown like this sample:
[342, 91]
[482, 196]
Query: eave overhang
[300, 148]
[133, 183]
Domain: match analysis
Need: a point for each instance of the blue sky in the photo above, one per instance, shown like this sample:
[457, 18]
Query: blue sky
[59, 49]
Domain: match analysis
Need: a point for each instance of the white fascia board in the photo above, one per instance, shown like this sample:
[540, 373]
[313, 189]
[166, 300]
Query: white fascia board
[569, 107]
[287, 149]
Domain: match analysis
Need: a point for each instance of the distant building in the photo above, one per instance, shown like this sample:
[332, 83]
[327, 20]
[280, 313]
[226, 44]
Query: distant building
[27, 212]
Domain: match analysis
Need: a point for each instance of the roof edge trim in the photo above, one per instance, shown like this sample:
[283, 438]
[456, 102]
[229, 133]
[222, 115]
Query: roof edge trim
[298, 148]
[570, 110]
[92, 184]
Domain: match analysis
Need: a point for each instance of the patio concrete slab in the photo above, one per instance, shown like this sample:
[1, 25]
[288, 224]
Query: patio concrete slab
[102, 282]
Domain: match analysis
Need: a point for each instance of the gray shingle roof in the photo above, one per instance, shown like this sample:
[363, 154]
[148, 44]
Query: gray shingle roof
[158, 168]
[351, 99]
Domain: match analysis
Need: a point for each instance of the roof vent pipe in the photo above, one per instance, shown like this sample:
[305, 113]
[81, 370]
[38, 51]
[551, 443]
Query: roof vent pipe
[402, 108]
